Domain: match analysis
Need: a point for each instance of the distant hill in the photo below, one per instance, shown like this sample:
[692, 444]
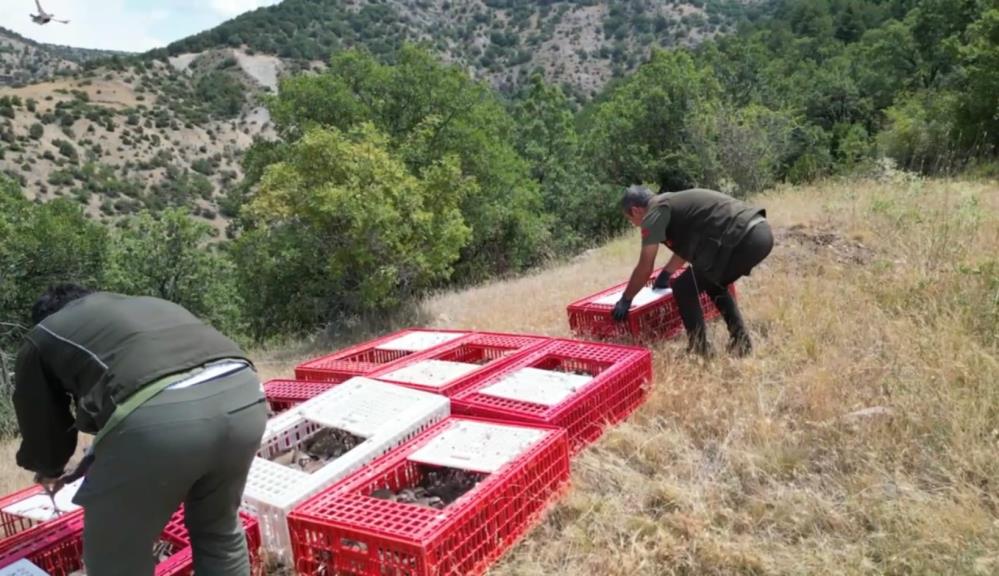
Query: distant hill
[23, 61]
[580, 43]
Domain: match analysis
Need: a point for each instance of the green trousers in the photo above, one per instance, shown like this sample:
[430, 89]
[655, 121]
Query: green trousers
[190, 446]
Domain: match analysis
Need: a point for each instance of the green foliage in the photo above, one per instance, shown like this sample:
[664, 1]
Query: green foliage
[66, 149]
[976, 117]
[165, 256]
[343, 226]
[43, 244]
[646, 130]
[752, 143]
[920, 130]
[431, 111]
[583, 210]
[221, 93]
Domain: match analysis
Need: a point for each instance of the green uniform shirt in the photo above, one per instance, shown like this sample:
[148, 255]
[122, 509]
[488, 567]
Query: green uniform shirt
[94, 354]
[701, 226]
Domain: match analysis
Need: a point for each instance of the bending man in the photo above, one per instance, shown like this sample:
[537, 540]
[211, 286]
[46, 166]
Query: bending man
[178, 414]
[722, 239]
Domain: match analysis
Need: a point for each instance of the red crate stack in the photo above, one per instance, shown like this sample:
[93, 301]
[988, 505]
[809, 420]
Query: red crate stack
[348, 531]
[362, 359]
[654, 320]
[283, 394]
[57, 546]
[489, 350]
[620, 378]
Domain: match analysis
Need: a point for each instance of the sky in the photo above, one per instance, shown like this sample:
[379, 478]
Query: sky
[129, 25]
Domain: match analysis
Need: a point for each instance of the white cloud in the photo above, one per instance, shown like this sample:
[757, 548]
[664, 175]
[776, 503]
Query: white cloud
[231, 8]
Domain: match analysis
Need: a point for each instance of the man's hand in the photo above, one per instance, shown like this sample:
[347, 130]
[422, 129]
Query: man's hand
[620, 313]
[662, 280]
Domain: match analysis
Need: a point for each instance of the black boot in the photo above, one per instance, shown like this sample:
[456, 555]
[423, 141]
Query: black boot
[697, 343]
[739, 342]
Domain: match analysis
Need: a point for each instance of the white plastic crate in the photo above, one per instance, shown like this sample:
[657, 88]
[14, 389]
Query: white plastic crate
[22, 568]
[39, 507]
[419, 341]
[434, 373]
[644, 296]
[477, 446]
[547, 387]
[383, 414]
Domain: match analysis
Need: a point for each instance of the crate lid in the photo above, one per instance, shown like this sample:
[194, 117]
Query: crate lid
[267, 478]
[645, 296]
[363, 406]
[435, 373]
[419, 340]
[547, 387]
[39, 506]
[22, 568]
[477, 446]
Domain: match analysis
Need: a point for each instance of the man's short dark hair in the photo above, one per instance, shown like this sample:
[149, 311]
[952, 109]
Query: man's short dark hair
[635, 197]
[53, 300]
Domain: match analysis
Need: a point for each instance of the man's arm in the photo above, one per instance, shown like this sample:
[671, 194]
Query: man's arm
[640, 275]
[48, 434]
[674, 264]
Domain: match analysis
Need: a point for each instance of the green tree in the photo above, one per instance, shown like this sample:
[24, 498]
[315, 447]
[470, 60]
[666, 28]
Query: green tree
[41, 245]
[343, 226]
[430, 111]
[920, 131]
[977, 115]
[583, 210]
[647, 129]
[166, 255]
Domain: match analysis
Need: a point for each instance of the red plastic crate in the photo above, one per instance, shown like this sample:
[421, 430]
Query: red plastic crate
[11, 524]
[57, 546]
[283, 394]
[345, 531]
[655, 320]
[491, 350]
[359, 360]
[622, 378]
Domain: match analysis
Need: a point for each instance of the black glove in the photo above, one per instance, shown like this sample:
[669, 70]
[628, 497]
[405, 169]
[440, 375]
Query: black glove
[620, 313]
[662, 280]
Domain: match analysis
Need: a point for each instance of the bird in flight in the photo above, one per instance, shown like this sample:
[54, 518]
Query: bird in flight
[44, 17]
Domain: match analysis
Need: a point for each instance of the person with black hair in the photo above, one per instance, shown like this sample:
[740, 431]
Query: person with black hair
[721, 238]
[177, 412]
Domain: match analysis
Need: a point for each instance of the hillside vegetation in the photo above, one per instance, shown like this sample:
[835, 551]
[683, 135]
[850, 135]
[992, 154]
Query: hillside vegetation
[353, 189]
[860, 438]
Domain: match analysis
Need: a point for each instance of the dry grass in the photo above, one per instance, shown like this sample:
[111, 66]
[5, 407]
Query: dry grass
[878, 295]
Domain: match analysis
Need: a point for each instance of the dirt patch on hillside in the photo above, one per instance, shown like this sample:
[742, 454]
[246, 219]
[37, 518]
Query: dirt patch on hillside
[804, 240]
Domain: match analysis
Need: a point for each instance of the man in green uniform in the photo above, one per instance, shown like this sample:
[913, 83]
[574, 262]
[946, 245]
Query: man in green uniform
[178, 412]
[722, 238]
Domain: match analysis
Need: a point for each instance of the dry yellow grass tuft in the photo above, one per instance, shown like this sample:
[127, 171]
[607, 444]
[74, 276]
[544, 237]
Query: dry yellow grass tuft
[861, 438]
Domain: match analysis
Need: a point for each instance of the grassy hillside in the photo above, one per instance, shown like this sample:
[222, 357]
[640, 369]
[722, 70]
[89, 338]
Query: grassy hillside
[860, 439]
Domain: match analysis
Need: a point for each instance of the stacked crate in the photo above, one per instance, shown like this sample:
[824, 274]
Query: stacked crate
[582, 387]
[380, 415]
[56, 548]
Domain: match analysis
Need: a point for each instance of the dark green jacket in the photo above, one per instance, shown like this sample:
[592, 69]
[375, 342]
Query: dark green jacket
[95, 353]
[701, 226]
